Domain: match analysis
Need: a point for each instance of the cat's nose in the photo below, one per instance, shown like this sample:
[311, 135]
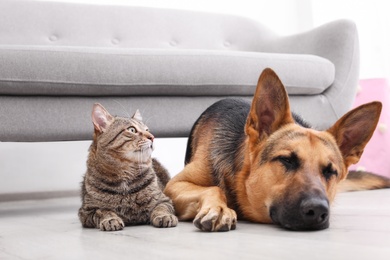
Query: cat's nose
[150, 137]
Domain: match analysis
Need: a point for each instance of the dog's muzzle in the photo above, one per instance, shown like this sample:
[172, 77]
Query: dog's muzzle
[306, 214]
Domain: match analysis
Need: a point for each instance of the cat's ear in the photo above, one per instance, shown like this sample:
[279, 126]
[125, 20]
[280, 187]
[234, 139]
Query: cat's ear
[101, 118]
[137, 115]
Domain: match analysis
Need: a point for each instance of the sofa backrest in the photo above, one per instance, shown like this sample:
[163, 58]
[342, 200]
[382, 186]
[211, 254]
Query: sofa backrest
[64, 24]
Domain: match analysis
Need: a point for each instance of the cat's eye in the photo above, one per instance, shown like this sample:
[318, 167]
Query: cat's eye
[132, 130]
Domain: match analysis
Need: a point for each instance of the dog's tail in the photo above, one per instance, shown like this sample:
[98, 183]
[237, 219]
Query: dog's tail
[361, 180]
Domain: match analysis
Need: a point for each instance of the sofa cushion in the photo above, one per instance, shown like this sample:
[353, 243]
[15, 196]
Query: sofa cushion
[84, 71]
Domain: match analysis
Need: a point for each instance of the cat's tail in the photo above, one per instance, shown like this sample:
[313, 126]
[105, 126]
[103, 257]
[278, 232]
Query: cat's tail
[361, 180]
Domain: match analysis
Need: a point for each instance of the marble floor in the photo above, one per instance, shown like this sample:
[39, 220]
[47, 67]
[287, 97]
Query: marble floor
[49, 229]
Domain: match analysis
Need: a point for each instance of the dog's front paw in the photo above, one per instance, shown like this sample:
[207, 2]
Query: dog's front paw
[111, 224]
[163, 221]
[216, 219]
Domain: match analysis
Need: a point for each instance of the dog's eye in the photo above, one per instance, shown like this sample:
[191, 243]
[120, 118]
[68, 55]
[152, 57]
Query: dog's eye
[291, 163]
[132, 129]
[329, 171]
[285, 160]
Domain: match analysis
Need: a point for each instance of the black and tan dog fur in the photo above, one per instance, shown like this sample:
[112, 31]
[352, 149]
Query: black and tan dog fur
[261, 163]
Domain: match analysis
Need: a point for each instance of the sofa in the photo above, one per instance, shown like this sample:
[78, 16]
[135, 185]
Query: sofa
[58, 59]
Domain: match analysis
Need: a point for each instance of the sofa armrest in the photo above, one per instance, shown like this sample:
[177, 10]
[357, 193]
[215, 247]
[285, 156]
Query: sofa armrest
[336, 41]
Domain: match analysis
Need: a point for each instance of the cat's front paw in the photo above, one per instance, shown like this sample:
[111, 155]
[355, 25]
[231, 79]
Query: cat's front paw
[111, 224]
[164, 221]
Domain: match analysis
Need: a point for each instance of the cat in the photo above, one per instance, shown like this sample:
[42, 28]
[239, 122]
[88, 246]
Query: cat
[123, 185]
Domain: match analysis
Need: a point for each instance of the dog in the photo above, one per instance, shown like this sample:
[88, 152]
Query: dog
[262, 163]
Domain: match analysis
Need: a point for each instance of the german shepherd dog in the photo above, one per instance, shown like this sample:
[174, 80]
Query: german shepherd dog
[263, 164]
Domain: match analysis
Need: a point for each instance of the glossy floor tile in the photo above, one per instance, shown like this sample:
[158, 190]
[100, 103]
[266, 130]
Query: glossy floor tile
[49, 229]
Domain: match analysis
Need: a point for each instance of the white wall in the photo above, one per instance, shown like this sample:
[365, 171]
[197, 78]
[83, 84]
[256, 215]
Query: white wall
[373, 23]
[284, 16]
[59, 166]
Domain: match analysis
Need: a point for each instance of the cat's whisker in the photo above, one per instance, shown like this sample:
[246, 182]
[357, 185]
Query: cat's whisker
[140, 165]
[147, 119]
[140, 157]
[123, 108]
[138, 161]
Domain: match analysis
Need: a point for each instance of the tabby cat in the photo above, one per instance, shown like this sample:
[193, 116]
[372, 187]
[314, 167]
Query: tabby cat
[123, 184]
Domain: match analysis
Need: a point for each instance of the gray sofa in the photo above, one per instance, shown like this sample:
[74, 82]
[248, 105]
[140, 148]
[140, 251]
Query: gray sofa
[57, 59]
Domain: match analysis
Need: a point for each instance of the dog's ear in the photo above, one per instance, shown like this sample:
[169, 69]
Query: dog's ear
[270, 107]
[353, 131]
[101, 118]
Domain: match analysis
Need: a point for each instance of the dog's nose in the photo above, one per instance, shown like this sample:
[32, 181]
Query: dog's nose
[315, 212]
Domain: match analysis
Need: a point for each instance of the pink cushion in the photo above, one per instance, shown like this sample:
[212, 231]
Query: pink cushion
[376, 156]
